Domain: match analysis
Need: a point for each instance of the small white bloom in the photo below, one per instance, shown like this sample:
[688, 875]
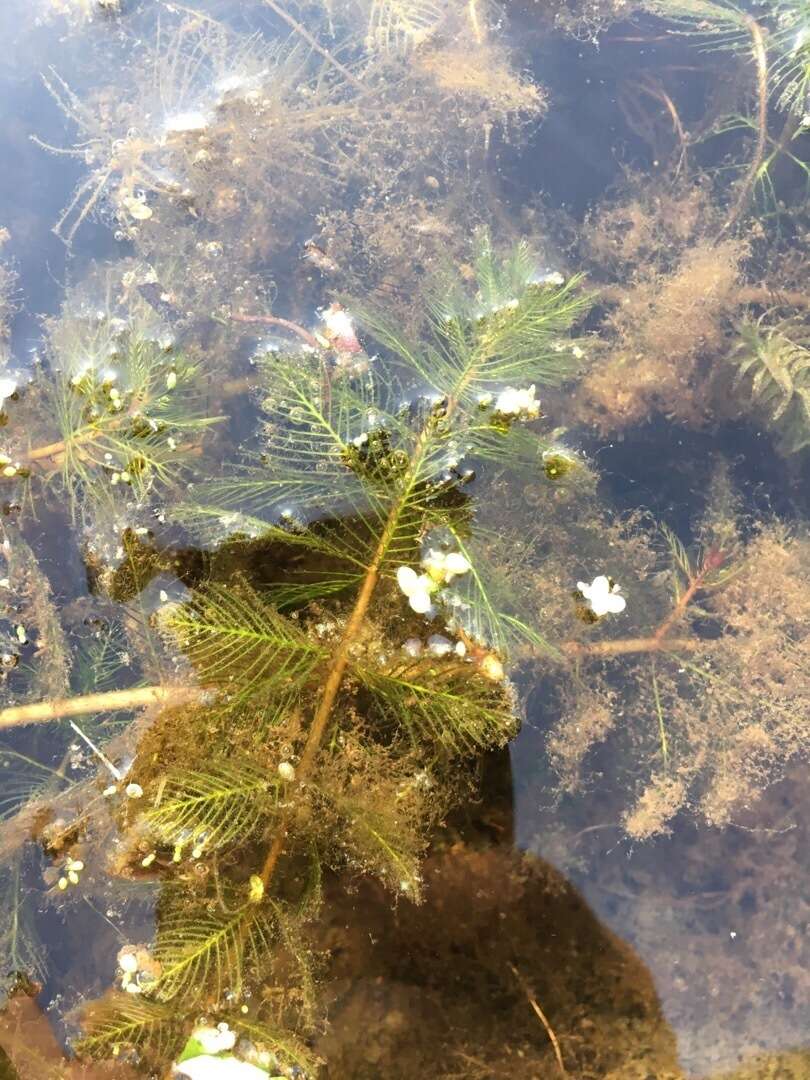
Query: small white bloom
[136, 208]
[442, 568]
[455, 564]
[417, 587]
[602, 596]
[518, 403]
[413, 647]
[340, 330]
[214, 1040]
[205, 1067]
[547, 277]
[286, 771]
[128, 960]
[439, 646]
[184, 123]
[8, 387]
[133, 791]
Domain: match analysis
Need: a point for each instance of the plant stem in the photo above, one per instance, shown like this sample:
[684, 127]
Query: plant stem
[313, 41]
[43, 712]
[761, 64]
[684, 601]
[341, 658]
[542, 1018]
[286, 324]
[623, 646]
[333, 683]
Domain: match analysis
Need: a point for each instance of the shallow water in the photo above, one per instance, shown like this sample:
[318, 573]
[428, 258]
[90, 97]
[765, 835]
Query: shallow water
[561, 932]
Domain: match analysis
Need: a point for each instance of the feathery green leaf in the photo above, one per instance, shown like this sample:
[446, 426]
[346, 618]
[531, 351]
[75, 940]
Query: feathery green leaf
[212, 807]
[239, 644]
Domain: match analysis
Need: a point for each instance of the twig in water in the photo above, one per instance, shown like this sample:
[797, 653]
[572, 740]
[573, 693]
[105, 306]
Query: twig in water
[42, 712]
[542, 1018]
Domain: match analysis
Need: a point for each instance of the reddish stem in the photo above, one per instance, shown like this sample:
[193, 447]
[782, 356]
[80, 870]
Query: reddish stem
[285, 324]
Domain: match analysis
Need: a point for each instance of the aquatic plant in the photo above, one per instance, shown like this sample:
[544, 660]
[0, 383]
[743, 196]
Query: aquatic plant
[774, 42]
[331, 733]
[773, 366]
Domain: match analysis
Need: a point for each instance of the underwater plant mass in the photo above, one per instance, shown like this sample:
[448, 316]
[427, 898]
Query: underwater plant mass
[347, 458]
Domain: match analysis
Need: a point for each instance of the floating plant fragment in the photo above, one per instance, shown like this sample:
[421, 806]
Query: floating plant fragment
[521, 404]
[603, 596]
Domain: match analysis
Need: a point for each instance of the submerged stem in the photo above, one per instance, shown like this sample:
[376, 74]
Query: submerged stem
[624, 646]
[761, 64]
[42, 712]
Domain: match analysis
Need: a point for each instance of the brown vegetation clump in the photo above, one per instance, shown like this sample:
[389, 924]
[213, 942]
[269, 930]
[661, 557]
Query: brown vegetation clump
[484, 74]
[658, 805]
[666, 326]
[588, 722]
[647, 227]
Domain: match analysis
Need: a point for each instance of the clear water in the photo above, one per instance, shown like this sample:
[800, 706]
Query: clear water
[549, 926]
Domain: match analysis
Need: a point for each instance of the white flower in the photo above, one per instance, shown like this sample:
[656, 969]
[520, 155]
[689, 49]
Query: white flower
[547, 277]
[439, 646]
[205, 1067]
[417, 587]
[519, 403]
[442, 568]
[286, 771]
[8, 387]
[214, 1040]
[602, 596]
[413, 647]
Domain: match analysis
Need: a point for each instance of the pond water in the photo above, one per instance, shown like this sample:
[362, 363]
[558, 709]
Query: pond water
[404, 411]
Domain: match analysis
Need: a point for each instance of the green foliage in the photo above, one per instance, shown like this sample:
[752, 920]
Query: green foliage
[211, 808]
[239, 644]
[128, 412]
[294, 631]
[385, 458]
[21, 952]
[120, 1022]
[286, 1047]
[791, 72]
[721, 24]
[773, 376]
[204, 950]
[440, 703]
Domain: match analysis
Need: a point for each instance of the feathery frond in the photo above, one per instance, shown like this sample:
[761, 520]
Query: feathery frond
[283, 1044]
[203, 950]
[383, 843]
[20, 949]
[124, 427]
[120, 1022]
[720, 24]
[395, 26]
[773, 365]
[212, 807]
[441, 703]
[239, 644]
